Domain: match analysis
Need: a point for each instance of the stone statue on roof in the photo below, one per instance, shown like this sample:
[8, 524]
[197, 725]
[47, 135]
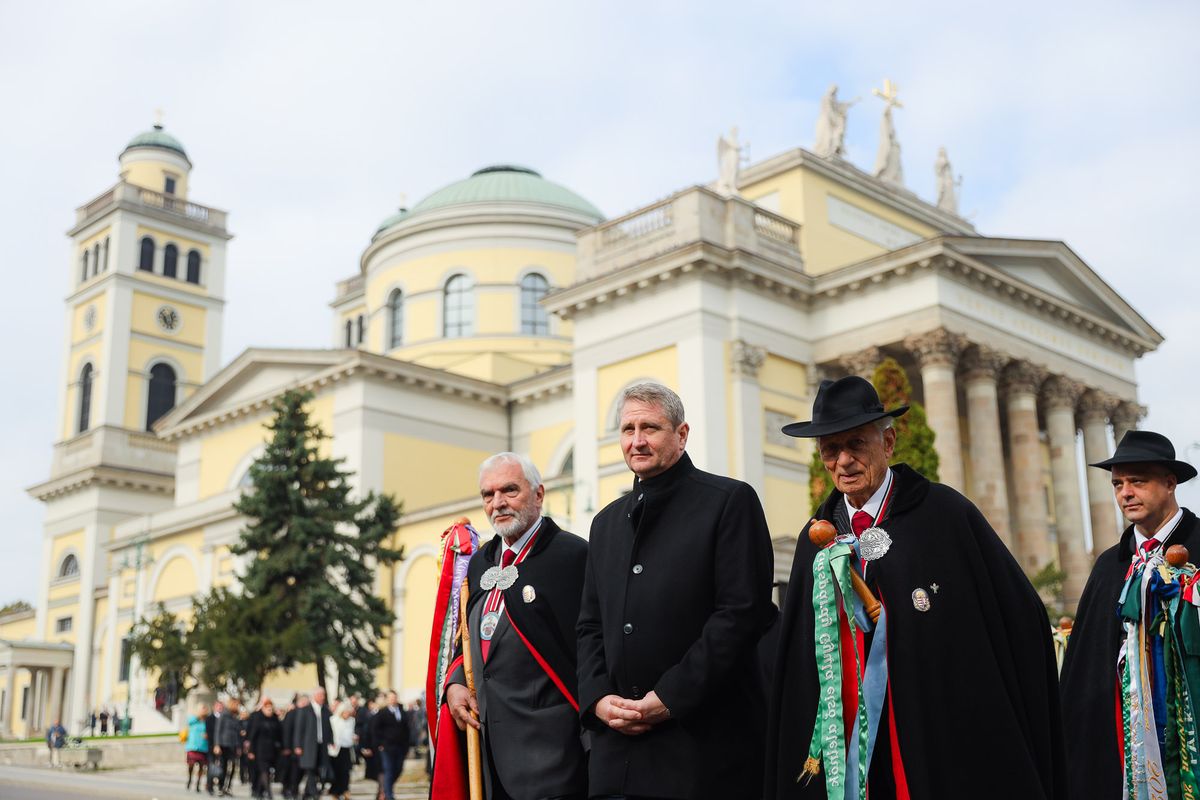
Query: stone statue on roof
[831, 125]
[729, 160]
[887, 158]
[947, 184]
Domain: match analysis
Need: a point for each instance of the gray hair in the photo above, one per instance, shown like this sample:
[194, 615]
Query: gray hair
[884, 423]
[656, 394]
[531, 472]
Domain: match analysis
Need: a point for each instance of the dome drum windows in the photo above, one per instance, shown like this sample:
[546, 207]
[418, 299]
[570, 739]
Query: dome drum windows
[395, 319]
[535, 321]
[458, 307]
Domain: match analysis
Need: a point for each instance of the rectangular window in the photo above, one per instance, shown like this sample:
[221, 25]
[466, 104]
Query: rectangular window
[63, 624]
[25, 703]
[126, 655]
[169, 185]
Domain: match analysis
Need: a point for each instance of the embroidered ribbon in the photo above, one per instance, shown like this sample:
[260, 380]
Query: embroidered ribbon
[831, 580]
[495, 599]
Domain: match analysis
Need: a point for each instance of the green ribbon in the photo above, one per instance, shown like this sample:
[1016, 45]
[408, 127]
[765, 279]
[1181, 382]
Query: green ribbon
[831, 577]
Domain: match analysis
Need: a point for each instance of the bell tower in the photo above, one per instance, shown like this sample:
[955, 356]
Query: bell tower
[144, 307]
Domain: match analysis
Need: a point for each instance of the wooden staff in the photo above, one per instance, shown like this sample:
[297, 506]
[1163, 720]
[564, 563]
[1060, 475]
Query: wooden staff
[474, 755]
[821, 533]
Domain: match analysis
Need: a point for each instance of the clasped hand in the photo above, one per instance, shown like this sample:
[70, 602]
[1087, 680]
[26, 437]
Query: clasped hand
[631, 717]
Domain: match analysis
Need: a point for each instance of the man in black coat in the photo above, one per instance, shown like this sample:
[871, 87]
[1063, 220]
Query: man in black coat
[524, 601]
[313, 735]
[677, 594]
[389, 739]
[1145, 474]
[960, 686]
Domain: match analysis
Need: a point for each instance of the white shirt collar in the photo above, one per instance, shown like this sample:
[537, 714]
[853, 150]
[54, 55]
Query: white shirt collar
[519, 543]
[872, 505]
[1163, 532]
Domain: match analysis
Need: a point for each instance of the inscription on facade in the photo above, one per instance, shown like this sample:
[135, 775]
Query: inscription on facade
[865, 225]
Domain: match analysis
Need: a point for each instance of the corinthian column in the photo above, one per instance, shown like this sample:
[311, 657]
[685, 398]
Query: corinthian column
[745, 362]
[989, 489]
[1125, 418]
[1032, 534]
[1061, 395]
[862, 363]
[937, 355]
[1094, 408]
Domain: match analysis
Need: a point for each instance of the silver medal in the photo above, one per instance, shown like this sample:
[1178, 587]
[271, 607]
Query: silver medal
[920, 599]
[495, 577]
[487, 625]
[873, 544]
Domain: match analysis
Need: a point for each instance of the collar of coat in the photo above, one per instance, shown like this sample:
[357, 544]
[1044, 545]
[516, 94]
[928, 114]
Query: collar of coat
[911, 489]
[1126, 545]
[665, 481]
[545, 535]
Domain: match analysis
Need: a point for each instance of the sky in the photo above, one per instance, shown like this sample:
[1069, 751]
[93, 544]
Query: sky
[1076, 121]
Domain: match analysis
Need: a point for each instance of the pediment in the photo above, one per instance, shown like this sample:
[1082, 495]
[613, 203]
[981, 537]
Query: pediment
[1053, 268]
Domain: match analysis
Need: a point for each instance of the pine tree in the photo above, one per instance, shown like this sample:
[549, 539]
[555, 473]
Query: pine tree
[914, 437]
[241, 639]
[160, 643]
[314, 548]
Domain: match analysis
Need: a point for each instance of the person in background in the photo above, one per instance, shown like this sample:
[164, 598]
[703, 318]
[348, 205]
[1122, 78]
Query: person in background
[312, 737]
[214, 762]
[92, 724]
[341, 749]
[197, 744]
[290, 767]
[225, 741]
[103, 721]
[56, 739]
[389, 736]
[264, 739]
[366, 743]
[244, 776]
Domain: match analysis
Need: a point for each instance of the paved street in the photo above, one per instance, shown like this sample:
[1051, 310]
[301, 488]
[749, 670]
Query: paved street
[148, 783]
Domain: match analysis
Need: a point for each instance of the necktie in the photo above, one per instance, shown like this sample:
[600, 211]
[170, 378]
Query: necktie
[860, 522]
[1149, 546]
[508, 557]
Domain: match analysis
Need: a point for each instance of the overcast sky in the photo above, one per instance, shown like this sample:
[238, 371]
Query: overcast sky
[1074, 121]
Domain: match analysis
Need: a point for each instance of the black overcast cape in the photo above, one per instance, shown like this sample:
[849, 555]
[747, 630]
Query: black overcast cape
[1089, 675]
[973, 679]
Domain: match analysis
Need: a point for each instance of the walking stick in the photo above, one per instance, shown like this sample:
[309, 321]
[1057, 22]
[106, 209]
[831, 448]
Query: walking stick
[474, 756]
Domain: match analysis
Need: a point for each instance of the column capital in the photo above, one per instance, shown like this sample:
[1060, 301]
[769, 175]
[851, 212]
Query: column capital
[980, 362]
[747, 358]
[1126, 414]
[1096, 406]
[1022, 377]
[938, 347]
[1061, 392]
[863, 362]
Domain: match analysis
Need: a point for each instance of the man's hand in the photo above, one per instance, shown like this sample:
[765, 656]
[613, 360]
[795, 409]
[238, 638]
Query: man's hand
[651, 708]
[217, 750]
[250, 756]
[367, 752]
[621, 715]
[462, 706]
[299, 751]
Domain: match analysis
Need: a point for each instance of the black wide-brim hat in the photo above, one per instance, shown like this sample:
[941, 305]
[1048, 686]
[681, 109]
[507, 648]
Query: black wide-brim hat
[1148, 447]
[842, 405]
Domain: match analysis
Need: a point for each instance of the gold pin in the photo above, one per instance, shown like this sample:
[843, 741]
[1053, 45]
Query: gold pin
[528, 594]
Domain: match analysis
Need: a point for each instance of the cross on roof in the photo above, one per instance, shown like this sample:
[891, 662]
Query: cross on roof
[888, 94]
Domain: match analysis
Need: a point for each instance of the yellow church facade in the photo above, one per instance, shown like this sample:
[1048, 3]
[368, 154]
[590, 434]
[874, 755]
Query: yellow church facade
[503, 312]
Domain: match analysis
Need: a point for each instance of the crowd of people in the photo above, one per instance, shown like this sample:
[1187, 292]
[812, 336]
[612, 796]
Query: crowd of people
[308, 748]
[108, 720]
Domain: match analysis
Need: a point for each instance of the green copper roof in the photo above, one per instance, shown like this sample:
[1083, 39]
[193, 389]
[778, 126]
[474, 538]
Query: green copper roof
[507, 184]
[392, 220]
[157, 137]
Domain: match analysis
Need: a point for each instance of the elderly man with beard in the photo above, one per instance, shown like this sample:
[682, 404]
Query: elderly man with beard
[525, 586]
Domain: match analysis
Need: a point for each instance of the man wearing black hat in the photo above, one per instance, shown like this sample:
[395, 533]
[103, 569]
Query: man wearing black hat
[959, 692]
[1145, 473]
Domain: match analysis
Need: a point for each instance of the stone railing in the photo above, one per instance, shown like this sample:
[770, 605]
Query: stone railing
[695, 215]
[148, 198]
[350, 286]
[113, 446]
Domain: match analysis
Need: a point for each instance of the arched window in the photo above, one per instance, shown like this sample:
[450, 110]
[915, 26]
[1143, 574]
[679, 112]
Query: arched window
[193, 266]
[104, 265]
[534, 319]
[458, 308]
[361, 328]
[170, 261]
[349, 333]
[83, 270]
[69, 567]
[85, 397]
[146, 260]
[395, 319]
[96, 259]
[161, 397]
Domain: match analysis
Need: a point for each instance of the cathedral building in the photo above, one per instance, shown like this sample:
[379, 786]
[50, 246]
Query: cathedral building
[504, 312]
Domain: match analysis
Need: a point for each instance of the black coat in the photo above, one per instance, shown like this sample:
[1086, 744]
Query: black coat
[973, 679]
[305, 735]
[264, 737]
[531, 730]
[289, 730]
[677, 594]
[1089, 675]
[389, 733]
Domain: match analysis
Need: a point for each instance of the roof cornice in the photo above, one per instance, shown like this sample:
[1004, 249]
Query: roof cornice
[117, 477]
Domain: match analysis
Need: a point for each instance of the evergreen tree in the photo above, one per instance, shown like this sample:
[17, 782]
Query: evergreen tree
[160, 643]
[914, 437]
[242, 641]
[314, 548]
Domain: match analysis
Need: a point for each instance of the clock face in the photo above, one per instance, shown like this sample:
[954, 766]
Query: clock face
[89, 318]
[168, 319]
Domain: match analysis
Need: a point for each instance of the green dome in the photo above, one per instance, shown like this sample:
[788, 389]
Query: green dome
[507, 184]
[392, 220]
[157, 137]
